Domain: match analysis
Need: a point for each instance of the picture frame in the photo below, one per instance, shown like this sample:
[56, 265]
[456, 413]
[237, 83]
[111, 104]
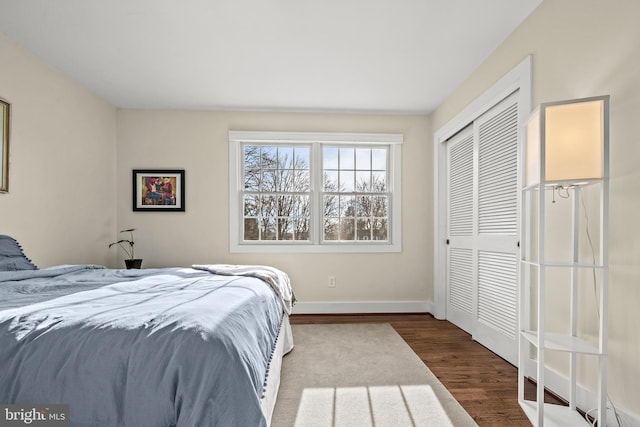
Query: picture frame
[5, 121]
[158, 190]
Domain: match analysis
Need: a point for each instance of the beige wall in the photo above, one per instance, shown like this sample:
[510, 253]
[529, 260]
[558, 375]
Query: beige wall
[585, 48]
[61, 196]
[198, 142]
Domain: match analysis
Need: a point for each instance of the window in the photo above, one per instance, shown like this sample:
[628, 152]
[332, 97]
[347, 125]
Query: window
[314, 192]
[277, 192]
[354, 193]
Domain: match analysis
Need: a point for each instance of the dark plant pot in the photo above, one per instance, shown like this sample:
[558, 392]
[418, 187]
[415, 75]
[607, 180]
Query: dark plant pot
[133, 263]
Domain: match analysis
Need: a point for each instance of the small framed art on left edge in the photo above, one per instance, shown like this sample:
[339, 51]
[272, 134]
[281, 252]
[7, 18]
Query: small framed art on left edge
[5, 119]
[158, 190]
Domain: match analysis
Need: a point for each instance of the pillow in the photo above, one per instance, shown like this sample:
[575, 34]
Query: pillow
[11, 256]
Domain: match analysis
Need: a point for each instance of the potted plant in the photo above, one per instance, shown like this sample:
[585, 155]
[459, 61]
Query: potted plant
[127, 247]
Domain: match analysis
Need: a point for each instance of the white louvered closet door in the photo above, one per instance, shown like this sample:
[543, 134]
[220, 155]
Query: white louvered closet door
[483, 229]
[461, 250]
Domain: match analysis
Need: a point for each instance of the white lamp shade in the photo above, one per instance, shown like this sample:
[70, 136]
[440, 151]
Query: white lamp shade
[566, 141]
[532, 151]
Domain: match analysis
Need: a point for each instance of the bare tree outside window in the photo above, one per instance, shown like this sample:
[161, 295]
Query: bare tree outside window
[356, 199]
[277, 192]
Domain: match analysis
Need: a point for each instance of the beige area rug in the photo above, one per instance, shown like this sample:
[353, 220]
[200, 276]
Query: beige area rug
[360, 375]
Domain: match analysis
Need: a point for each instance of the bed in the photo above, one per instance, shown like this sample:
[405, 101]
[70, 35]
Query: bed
[199, 346]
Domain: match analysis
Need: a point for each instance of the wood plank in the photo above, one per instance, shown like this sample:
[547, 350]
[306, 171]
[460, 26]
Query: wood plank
[485, 384]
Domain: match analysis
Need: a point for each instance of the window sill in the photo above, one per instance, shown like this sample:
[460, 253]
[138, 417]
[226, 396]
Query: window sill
[300, 248]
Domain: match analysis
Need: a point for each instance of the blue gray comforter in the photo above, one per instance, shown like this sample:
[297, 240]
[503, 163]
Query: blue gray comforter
[154, 347]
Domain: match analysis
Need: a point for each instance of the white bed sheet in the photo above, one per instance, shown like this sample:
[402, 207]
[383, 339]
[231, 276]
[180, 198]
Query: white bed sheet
[284, 345]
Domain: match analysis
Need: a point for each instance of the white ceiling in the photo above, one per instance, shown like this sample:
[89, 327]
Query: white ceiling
[396, 56]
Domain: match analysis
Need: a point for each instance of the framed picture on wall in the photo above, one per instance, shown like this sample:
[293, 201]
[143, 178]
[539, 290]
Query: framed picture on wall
[158, 190]
[5, 116]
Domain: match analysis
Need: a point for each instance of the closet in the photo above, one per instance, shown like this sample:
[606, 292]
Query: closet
[482, 227]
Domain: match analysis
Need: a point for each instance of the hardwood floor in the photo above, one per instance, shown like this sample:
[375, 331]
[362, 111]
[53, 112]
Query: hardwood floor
[484, 384]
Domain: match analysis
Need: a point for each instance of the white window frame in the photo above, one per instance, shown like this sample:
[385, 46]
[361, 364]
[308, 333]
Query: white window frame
[316, 139]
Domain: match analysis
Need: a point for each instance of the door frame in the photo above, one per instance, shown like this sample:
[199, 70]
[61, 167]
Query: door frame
[519, 78]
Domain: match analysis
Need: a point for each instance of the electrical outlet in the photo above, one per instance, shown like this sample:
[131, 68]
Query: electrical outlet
[332, 281]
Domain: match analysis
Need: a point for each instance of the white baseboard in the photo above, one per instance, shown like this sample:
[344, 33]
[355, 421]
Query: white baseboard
[358, 307]
[586, 399]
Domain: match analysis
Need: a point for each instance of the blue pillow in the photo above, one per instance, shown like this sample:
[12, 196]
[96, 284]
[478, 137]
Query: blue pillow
[11, 256]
